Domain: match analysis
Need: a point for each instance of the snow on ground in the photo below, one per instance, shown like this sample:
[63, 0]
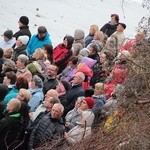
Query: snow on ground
[62, 17]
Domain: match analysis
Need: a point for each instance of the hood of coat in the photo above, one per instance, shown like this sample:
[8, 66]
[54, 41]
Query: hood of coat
[79, 35]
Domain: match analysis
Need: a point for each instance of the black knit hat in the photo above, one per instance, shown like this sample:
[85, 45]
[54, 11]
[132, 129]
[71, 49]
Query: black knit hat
[8, 34]
[123, 25]
[24, 20]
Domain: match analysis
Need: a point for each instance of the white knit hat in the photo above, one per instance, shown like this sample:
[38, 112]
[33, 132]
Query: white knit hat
[23, 39]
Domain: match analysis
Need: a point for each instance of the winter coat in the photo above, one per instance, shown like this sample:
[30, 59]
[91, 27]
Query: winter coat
[37, 98]
[78, 41]
[61, 56]
[47, 128]
[23, 31]
[18, 51]
[72, 95]
[10, 126]
[72, 118]
[35, 43]
[40, 108]
[88, 39]
[11, 94]
[1, 63]
[121, 38]
[8, 44]
[68, 73]
[100, 100]
[83, 129]
[24, 73]
[49, 83]
[109, 28]
[82, 67]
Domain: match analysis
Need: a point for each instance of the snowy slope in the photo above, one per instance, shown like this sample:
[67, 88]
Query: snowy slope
[62, 17]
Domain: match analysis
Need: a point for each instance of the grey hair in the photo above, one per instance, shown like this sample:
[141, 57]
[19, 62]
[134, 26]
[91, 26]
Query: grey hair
[24, 59]
[81, 75]
[61, 107]
[54, 100]
[16, 104]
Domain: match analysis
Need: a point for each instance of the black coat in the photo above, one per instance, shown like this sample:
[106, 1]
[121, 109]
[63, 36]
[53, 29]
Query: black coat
[109, 29]
[47, 128]
[23, 31]
[49, 84]
[72, 96]
[10, 126]
[18, 51]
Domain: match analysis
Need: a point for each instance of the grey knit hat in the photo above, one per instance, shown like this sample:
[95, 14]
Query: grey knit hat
[38, 81]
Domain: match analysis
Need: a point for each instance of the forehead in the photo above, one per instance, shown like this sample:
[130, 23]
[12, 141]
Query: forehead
[52, 67]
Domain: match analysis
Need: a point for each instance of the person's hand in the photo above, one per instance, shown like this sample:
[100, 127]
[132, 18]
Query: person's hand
[65, 135]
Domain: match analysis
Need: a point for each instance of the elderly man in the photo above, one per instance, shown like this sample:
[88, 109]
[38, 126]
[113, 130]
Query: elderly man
[75, 91]
[21, 64]
[50, 81]
[48, 104]
[10, 125]
[42, 107]
[49, 128]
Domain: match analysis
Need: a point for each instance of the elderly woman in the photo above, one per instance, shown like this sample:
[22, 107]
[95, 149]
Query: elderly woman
[36, 87]
[82, 129]
[74, 115]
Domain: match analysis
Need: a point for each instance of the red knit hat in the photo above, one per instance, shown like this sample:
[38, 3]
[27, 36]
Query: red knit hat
[90, 102]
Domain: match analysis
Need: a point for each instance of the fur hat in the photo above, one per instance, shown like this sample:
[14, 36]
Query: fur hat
[8, 34]
[38, 81]
[23, 39]
[90, 102]
[24, 20]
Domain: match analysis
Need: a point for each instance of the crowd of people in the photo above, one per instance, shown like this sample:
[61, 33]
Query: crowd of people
[49, 94]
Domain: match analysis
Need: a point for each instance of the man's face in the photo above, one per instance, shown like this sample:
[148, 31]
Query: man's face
[77, 79]
[41, 35]
[56, 112]
[52, 71]
[48, 104]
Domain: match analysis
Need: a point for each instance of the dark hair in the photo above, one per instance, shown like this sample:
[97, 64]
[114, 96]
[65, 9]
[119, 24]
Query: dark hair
[116, 17]
[24, 111]
[74, 60]
[88, 92]
[65, 84]
[42, 29]
[1, 52]
[108, 55]
[49, 49]
[21, 83]
[94, 47]
[12, 76]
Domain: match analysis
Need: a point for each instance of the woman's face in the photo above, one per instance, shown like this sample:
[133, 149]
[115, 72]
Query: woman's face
[77, 104]
[84, 105]
[103, 58]
[18, 43]
[20, 96]
[32, 84]
[113, 19]
[35, 55]
[65, 42]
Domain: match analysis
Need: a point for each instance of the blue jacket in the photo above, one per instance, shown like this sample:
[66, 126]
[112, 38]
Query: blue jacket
[11, 94]
[35, 43]
[37, 98]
